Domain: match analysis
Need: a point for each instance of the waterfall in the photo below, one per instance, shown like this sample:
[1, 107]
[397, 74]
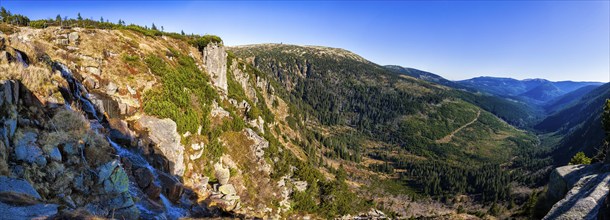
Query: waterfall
[21, 58]
[81, 97]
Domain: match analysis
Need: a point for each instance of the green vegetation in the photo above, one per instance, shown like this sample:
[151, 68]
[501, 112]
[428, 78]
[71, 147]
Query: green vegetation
[410, 117]
[202, 42]
[185, 95]
[580, 158]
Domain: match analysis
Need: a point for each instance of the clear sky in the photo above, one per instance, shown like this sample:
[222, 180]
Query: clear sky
[556, 40]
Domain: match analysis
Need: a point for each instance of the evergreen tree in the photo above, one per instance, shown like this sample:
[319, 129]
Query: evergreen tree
[79, 17]
[102, 19]
[58, 18]
[154, 27]
[182, 32]
[4, 14]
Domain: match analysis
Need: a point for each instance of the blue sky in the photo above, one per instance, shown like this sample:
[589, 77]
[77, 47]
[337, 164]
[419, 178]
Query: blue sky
[556, 40]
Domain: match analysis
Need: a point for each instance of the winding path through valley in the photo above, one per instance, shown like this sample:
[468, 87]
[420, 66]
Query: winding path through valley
[448, 138]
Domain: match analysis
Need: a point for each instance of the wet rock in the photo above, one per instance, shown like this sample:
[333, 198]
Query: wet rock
[153, 191]
[113, 178]
[143, 177]
[222, 174]
[172, 188]
[163, 133]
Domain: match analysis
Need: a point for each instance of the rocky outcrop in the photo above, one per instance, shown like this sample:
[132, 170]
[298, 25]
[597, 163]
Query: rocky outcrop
[163, 133]
[215, 62]
[579, 191]
[19, 200]
[259, 146]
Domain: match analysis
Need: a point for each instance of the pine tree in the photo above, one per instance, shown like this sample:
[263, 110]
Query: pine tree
[79, 17]
[102, 19]
[182, 32]
[154, 27]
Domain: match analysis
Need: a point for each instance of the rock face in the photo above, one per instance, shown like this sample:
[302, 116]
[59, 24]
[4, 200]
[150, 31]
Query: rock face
[22, 207]
[215, 62]
[585, 187]
[167, 141]
[259, 150]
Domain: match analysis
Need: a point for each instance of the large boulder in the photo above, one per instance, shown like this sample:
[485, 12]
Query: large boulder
[579, 190]
[113, 178]
[20, 201]
[172, 187]
[163, 133]
[215, 62]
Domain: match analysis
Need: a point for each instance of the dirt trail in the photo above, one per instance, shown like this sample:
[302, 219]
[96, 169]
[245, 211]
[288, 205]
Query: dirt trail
[448, 138]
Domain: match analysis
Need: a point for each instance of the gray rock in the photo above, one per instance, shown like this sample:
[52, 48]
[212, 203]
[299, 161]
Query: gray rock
[300, 186]
[70, 148]
[26, 149]
[55, 154]
[562, 179]
[73, 37]
[93, 70]
[227, 189]
[38, 211]
[11, 125]
[221, 173]
[113, 177]
[111, 88]
[583, 200]
[8, 184]
[215, 62]
[163, 132]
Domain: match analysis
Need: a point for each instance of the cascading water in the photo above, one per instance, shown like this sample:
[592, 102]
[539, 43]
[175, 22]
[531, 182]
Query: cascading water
[21, 58]
[80, 96]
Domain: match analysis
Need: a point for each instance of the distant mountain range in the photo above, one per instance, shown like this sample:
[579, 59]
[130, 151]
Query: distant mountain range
[566, 109]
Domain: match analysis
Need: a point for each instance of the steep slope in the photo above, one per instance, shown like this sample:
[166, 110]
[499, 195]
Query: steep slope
[567, 99]
[361, 112]
[178, 126]
[543, 92]
[579, 124]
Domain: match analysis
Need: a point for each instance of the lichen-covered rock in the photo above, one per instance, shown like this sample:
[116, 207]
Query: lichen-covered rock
[215, 62]
[167, 141]
[221, 173]
[113, 178]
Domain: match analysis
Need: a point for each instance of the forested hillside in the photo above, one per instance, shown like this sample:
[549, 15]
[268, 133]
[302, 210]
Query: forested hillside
[429, 136]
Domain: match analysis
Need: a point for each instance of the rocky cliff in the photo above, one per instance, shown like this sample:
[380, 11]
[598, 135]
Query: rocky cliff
[80, 137]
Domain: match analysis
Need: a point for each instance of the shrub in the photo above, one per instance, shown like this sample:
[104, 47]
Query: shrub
[69, 121]
[97, 149]
[580, 158]
[39, 24]
[202, 42]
